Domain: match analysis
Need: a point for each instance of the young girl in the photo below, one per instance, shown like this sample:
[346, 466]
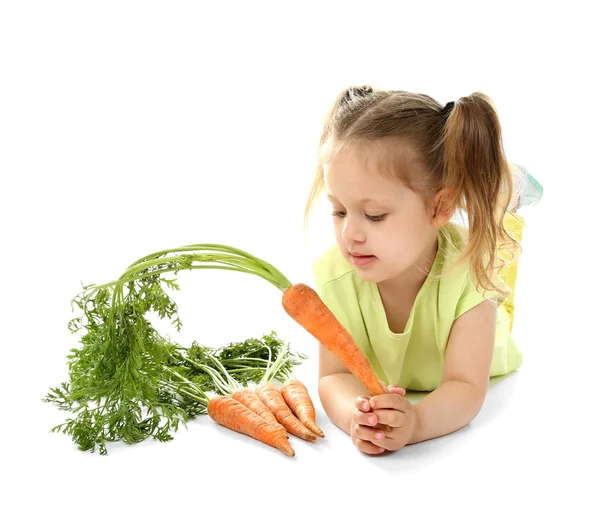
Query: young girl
[429, 301]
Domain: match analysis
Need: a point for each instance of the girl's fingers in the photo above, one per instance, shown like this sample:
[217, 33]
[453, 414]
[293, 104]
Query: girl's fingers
[389, 401]
[374, 439]
[393, 388]
[368, 419]
[383, 444]
[390, 417]
[369, 433]
[368, 447]
[362, 404]
[384, 386]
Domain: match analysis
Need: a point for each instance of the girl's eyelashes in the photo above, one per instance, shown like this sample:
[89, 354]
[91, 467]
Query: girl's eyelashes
[341, 214]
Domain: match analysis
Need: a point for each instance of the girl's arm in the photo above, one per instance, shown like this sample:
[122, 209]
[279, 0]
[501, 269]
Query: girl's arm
[460, 395]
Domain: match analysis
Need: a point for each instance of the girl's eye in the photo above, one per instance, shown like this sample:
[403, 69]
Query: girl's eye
[370, 218]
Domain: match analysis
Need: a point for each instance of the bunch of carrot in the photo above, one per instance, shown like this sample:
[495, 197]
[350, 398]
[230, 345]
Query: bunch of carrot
[268, 413]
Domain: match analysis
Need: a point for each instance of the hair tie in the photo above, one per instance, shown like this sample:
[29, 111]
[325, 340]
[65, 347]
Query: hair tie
[448, 107]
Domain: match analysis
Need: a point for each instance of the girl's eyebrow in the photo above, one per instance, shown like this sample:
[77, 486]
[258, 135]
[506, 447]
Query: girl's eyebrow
[362, 200]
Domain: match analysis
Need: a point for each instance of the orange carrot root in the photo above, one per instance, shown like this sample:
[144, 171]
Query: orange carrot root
[251, 400]
[305, 306]
[236, 416]
[272, 398]
[298, 400]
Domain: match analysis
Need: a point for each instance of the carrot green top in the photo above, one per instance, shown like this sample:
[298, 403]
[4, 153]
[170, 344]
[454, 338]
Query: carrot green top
[414, 358]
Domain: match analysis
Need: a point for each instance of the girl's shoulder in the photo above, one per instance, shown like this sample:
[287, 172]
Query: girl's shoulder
[461, 277]
[454, 236]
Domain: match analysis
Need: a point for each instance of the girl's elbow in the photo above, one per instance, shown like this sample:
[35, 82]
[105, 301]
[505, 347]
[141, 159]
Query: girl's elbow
[477, 400]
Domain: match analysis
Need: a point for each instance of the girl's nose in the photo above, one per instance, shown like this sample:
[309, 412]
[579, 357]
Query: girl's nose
[351, 232]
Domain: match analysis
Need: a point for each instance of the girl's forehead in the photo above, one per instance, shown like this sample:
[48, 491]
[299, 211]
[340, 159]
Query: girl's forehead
[355, 155]
[357, 167]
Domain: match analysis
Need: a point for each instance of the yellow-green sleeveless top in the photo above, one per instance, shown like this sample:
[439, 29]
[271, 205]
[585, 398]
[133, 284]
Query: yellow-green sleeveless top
[413, 359]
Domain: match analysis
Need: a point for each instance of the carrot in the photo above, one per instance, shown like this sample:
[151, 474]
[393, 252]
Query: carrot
[305, 306]
[298, 400]
[236, 416]
[272, 398]
[251, 400]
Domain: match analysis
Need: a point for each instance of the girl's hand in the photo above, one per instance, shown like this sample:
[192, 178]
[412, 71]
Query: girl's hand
[366, 429]
[396, 411]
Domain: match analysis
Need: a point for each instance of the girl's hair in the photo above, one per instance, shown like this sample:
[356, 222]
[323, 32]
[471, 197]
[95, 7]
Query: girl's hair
[459, 149]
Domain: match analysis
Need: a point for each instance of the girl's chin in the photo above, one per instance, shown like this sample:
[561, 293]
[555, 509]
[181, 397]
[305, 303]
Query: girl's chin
[368, 274]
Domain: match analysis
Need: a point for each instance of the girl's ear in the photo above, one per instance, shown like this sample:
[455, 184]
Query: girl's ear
[443, 207]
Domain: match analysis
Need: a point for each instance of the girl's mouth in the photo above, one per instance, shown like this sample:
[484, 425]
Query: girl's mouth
[362, 260]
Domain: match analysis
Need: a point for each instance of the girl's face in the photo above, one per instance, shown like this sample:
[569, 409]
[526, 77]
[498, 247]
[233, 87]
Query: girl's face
[379, 217]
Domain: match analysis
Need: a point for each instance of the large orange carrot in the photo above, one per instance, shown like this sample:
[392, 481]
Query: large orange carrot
[305, 306]
[252, 401]
[236, 416]
[298, 400]
[272, 398]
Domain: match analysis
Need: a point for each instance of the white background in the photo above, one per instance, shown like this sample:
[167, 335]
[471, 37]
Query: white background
[131, 127]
